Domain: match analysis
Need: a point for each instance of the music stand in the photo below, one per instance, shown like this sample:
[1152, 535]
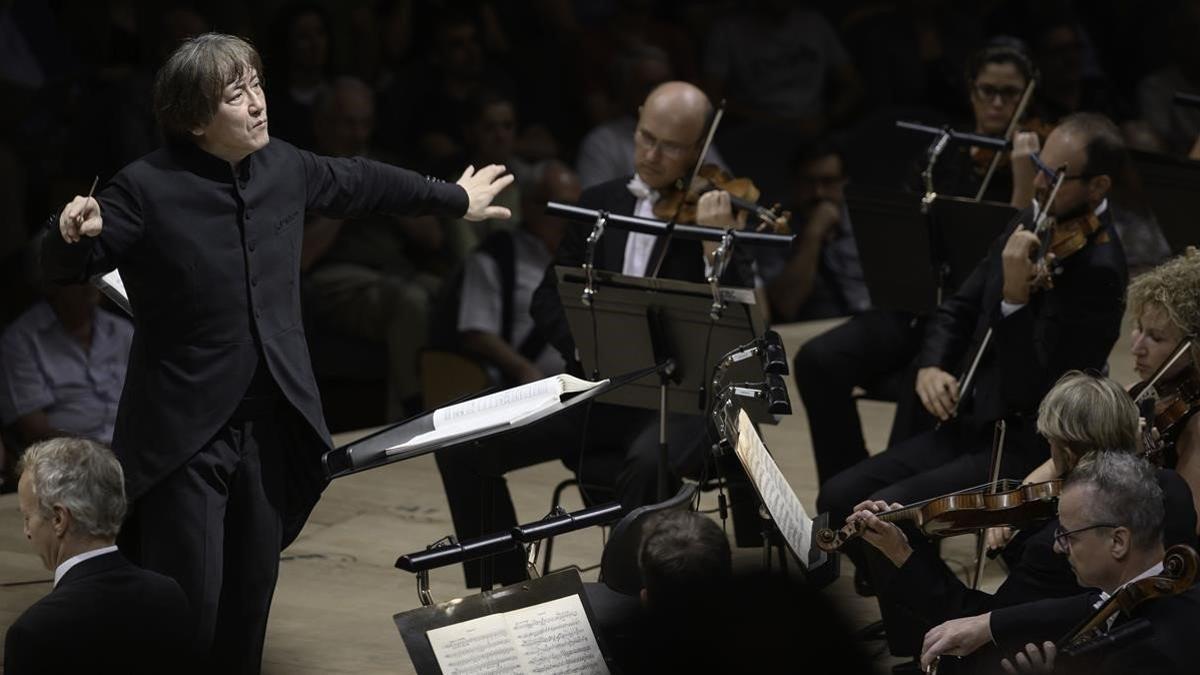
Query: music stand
[1170, 185]
[782, 504]
[903, 260]
[415, 625]
[632, 322]
[370, 451]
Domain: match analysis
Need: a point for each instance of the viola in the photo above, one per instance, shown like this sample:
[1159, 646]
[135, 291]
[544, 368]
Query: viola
[1180, 565]
[680, 205]
[971, 510]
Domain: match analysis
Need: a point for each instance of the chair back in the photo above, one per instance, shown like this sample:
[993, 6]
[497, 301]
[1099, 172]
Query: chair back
[619, 569]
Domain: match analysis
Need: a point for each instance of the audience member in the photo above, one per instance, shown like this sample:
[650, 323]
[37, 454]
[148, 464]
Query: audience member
[62, 367]
[114, 616]
[821, 276]
[364, 276]
[490, 136]
[499, 278]
[1177, 127]
[302, 67]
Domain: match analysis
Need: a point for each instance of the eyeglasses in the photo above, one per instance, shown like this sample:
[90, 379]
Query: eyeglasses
[668, 148]
[988, 92]
[1063, 537]
[1051, 174]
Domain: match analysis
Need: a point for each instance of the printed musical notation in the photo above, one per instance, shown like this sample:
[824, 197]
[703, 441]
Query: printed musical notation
[776, 493]
[550, 638]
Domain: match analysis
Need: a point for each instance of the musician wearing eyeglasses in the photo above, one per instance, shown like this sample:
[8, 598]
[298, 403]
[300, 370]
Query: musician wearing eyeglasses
[1111, 531]
[1036, 335]
[1082, 414]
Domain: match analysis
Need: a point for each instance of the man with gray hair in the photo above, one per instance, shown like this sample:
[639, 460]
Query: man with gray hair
[1111, 530]
[116, 617]
[220, 430]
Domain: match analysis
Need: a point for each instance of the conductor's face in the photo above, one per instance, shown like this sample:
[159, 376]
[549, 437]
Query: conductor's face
[239, 126]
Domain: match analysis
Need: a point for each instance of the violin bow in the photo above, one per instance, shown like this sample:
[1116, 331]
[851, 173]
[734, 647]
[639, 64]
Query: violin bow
[1182, 348]
[708, 139]
[998, 435]
[1026, 97]
[1041, 214]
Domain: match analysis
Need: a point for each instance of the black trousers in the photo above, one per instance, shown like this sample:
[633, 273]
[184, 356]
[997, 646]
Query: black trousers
[215, 526]
[865, 351]
[613, 451]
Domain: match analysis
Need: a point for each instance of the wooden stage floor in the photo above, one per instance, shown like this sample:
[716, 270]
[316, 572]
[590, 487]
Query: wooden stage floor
[338, 588]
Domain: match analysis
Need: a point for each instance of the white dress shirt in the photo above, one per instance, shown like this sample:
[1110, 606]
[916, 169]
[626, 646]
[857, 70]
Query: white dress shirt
[61, 570]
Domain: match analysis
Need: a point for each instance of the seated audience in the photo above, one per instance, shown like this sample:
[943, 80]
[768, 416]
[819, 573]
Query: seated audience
[821, 276]
[62, 367]
[103, 614]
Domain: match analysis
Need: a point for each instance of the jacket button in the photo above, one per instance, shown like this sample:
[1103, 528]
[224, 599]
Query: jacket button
[254, 281]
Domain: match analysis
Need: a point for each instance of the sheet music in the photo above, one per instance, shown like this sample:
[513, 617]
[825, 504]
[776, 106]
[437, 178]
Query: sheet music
[482, 645]
[776, 493]
[493, 411]
[550, 638]
[556, 638]
[113, 286]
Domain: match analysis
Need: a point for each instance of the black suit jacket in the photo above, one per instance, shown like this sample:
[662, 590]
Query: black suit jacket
[1071, 326]
[211, 263]
[104, 616]
[684, 261]
[931, 591]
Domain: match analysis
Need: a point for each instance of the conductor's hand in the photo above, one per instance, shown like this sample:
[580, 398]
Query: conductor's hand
[80, 218]
[938, 391]
[482, 187]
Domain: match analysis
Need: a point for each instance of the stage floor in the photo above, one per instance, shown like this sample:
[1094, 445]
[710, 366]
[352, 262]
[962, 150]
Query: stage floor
[338, 588]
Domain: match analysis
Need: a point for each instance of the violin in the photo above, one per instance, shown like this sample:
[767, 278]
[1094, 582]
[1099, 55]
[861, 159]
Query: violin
[981, 158]
[1180, 565]
[680, 204]
[970, 510]
[1170, 400]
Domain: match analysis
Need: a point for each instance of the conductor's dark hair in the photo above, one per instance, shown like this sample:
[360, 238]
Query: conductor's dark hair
[189, 86]
[1002, 49]
[683, 557]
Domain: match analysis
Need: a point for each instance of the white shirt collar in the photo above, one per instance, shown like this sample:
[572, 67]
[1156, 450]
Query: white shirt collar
[61, 570]
[639, 189]
[1154, 570]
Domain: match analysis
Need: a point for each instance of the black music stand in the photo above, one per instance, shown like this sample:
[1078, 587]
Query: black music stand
[1170, 184]
[414, 625]
[907, 263]
[638, 321]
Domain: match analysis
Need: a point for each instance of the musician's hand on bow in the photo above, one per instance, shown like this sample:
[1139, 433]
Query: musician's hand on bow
[1021, 273]
[889, 539]
[482, 186]
[958, 637]
[1032, 661]
[998, 537]
[714, 209]
[80, 218]
[938, 391]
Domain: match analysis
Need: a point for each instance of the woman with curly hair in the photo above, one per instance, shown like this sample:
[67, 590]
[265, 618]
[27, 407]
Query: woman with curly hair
[1165, 303]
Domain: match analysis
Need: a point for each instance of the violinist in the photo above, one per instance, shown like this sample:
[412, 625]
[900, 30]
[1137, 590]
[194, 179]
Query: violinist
[1037, 334]
[1165, 304]
[668, 139]
[996, 78]
[1081, 414]
[876, 348]
[1111, 530]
